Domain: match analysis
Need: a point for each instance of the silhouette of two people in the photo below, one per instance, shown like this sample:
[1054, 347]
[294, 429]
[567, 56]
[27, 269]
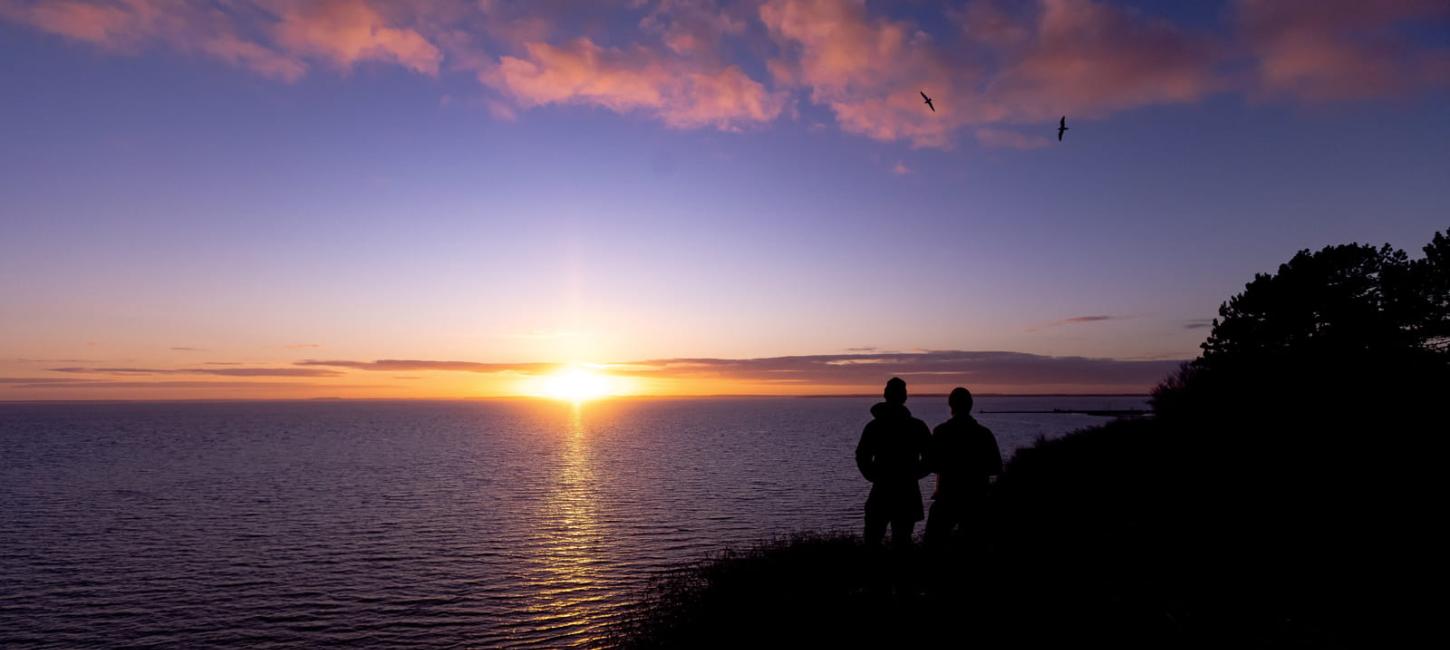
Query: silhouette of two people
[897, 450]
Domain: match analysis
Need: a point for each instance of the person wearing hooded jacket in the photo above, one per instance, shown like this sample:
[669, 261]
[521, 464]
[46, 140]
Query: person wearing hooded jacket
[892, 456]
[964, 455]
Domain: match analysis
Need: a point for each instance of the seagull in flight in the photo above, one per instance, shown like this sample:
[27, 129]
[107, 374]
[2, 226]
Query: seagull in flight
[1061, 126]
[928, 101]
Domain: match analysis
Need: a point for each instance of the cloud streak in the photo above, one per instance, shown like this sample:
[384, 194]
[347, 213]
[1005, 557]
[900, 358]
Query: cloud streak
[396, 365]
[221, 372]
[1076, 320]
[935, 367]
[1085, 319]
[36, 381]
[43, 383]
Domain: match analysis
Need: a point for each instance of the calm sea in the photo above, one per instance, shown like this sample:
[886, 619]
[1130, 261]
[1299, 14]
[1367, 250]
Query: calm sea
[487, 523]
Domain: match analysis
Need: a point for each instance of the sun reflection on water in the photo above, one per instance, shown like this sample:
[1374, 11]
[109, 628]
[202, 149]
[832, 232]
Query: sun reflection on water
[570, 594]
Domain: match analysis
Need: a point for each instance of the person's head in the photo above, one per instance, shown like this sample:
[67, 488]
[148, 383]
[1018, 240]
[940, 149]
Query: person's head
[960, 400]
[895, 392]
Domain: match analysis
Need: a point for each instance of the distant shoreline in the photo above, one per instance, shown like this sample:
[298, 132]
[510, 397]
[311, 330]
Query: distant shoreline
[976, 395]
[515, 398]
[1097, 412]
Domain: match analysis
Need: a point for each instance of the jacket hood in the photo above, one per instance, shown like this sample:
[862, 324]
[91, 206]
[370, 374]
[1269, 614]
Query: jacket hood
[889, 411]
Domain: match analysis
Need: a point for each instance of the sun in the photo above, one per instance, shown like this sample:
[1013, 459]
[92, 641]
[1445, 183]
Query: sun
[574, 383]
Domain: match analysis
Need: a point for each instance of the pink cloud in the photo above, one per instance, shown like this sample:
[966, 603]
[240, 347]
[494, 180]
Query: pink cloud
[342, 32]
[254, 57]
[867, 70]
[985, 22]
[128, 26]
[1324, 50]
[346, 32]
[1092, 59]
[1064, 56]
[500, 110]
[993, 68]
[115, 27]
[679, 92]
[689, 27]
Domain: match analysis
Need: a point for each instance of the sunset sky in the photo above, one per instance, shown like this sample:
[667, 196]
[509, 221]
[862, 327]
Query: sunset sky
[276, 198]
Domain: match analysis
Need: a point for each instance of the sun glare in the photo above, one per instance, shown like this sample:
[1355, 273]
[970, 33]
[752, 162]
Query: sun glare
[574, 384]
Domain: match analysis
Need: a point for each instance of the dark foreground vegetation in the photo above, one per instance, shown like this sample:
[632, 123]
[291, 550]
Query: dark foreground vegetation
[1282, 493]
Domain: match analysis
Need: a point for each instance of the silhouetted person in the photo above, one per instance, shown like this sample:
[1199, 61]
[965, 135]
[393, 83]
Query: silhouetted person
[892, 455]
[964, 455]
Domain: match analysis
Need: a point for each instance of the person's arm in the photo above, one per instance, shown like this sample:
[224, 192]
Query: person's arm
[994, 453]
[865, 460]
[924, 458]
[931, 455]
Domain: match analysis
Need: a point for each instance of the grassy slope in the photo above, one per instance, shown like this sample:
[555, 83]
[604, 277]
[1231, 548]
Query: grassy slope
[1139, 533]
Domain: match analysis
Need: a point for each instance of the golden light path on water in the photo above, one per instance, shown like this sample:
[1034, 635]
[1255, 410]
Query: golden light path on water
[572, 600]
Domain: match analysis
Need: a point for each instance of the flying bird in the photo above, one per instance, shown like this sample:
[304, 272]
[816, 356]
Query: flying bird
[928, 101]
[1061, 126]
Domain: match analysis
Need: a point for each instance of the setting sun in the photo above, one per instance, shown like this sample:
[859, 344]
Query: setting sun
[574, 384]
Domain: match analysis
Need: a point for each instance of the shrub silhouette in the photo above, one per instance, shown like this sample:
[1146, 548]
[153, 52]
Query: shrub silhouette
[1368, 317]
[1278, 493]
